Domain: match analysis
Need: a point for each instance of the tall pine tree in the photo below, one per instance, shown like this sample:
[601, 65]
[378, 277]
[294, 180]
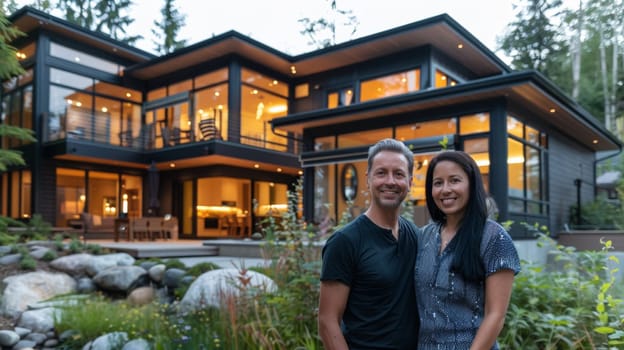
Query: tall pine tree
[169, 28]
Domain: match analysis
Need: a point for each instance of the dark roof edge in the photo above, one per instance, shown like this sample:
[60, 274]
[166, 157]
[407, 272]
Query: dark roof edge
[33, 12]
[513, 78]
[442, 18]
[231, 34]
[546, 84]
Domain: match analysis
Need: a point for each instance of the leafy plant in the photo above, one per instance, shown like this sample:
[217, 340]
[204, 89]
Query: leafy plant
[567, 305]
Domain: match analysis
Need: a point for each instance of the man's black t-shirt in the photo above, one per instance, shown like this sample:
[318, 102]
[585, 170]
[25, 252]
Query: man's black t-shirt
[381, 311]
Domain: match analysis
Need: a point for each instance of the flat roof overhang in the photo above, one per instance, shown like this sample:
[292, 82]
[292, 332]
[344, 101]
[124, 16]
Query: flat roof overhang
[527, 90]
[191, 155]
[441, 32]
[29, 19]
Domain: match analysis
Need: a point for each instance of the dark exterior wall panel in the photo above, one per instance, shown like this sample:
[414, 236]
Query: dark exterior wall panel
[567, 161]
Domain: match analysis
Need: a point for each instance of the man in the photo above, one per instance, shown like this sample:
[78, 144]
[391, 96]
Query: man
[367, 298]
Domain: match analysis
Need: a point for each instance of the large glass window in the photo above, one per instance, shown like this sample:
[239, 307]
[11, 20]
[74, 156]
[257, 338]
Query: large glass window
[16, 194]
[75, 111]
[71, 195]
[390, 85]
[90, 61]
[17, 106]
[474, 123]
[211, 105]
[223, 207]
[342, 97]
[171, 126]
[102, 197]
[430, 128]
[270, 200]
[443, 80]
[526, 147]
[262, 99]
[363, 138]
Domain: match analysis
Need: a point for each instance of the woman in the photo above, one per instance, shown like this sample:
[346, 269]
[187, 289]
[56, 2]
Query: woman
[465, 264]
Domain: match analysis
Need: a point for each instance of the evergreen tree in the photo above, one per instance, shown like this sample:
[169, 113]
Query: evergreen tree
[79, 12]
[104, 16]
[532, 40]
[9, 65]
[113, 21]
[10, 69]
[8, 6]
[322, 31]
[169, 27]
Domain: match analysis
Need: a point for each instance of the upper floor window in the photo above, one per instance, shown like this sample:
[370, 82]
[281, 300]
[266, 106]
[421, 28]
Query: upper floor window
[429, 128]
[262, 99]
[443, 80]
[263, 82]
[342, 97]
[302, 90]
[390, 85]
[526, 168]
[363, 138]
[84, 59]
[474, 123]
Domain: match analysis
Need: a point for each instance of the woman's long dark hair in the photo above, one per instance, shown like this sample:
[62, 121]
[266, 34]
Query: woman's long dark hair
[467, 259]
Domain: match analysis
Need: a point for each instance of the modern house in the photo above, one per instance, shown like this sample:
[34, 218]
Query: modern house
[223, 128]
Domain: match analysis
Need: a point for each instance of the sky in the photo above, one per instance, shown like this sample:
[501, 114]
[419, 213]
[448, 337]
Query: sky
[275, 22]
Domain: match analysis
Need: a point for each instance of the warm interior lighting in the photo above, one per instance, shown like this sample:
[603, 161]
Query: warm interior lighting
[124, 203]
[552, 110]
[279, 170]
[460, 46]
[217, 210]
[300, 172]
[277, 109]
[104, 109]
[595, 142]
[128, 94]
[293, 70]
[510, 160]
[271, 209]
[172, 165]
[256, 166]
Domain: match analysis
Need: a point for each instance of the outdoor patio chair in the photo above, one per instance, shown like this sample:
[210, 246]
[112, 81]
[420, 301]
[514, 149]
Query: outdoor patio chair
[170, 227]
[209, 130]
[139, 228]
[154, 228]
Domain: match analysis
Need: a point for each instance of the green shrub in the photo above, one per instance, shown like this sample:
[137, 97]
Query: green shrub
[28, 263]
[49, 255]
[199, 269]
[569, 307]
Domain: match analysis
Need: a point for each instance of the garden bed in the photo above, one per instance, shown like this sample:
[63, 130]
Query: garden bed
[590, 239]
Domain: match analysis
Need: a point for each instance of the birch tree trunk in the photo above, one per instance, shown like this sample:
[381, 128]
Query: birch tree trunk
[576, 53]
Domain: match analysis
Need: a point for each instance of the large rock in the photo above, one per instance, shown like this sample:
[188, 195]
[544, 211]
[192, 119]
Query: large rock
[19, 291]
[41, 320]
[75, 264]
[210, 288]
[119, 278]
[100, 263]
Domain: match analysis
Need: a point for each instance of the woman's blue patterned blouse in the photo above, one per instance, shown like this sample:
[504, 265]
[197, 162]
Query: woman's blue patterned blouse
[451, 308]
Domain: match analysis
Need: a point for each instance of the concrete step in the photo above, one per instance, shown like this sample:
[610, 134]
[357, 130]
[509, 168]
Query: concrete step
[161, 250]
